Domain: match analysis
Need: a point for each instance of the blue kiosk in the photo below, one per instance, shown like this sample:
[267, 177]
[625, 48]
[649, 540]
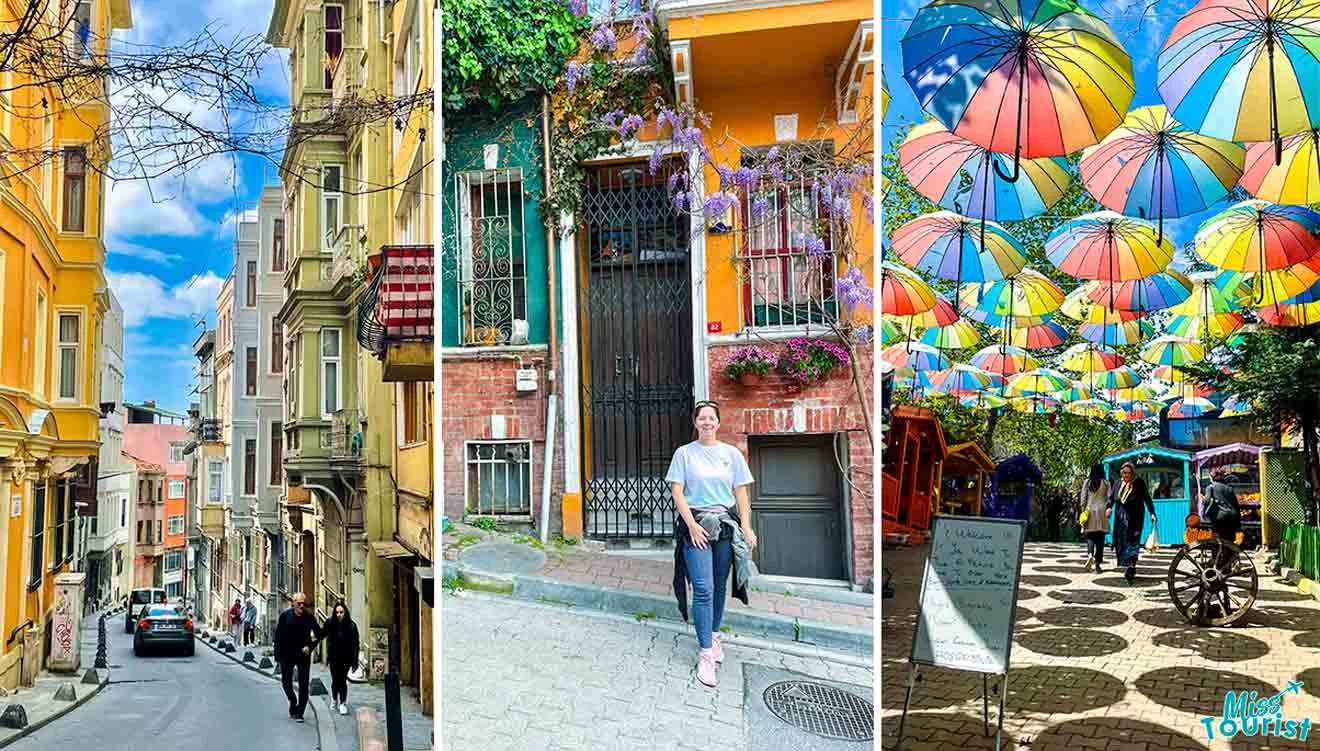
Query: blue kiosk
[1168, 476]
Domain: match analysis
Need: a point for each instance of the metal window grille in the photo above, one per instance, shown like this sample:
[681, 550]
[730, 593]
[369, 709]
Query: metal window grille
[784, 282]
[492, 257]
[499, 477]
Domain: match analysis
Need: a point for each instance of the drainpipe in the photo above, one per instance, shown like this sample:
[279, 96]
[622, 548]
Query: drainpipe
[551, 235]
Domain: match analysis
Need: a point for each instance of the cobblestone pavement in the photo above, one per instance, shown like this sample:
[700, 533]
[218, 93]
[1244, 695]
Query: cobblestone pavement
[526, 677]
[579, 566]
[1099, 664]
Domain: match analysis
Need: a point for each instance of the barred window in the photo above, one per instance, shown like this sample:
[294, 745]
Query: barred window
[499, 477]
[492, 257]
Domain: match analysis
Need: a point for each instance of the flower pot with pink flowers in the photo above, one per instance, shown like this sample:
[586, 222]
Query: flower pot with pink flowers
[748, 365]
[807, 361]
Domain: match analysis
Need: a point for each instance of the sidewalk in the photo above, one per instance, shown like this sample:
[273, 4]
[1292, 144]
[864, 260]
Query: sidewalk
[39, 702]
[642, 584]
[417, 727]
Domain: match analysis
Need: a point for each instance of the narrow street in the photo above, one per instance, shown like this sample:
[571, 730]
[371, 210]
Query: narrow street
[204, 701]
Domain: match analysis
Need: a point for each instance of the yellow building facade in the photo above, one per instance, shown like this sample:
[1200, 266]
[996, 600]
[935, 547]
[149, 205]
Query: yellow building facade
[52, 299]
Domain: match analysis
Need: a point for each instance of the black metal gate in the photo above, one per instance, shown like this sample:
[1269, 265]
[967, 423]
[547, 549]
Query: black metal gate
[635, 342]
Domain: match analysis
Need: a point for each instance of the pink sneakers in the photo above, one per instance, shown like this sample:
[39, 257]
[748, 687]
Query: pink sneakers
[706, 667]
[716, 647]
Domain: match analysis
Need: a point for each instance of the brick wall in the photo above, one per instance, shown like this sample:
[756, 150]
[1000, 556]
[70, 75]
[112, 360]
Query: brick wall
[477, 386]
[829, 406]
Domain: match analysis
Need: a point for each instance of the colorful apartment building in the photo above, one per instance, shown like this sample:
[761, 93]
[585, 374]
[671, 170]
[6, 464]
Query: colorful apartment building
[53, 294]
[357, 318]
[159, 529]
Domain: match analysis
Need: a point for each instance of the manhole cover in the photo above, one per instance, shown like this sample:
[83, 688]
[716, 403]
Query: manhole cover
[821, 709]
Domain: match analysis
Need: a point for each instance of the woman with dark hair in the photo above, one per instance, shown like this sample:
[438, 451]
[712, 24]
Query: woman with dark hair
[341, 653]
[709, 482]
[1095, 517]
[1130, 496]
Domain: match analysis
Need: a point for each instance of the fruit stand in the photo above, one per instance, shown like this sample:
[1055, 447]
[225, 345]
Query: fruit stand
[1241, 461]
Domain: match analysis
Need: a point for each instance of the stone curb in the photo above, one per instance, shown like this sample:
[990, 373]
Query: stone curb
[1304, 585]
[775, 628]
[325, 727]
[81, 700]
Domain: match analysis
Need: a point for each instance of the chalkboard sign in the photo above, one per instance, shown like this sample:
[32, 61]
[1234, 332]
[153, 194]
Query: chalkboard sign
[968, 602]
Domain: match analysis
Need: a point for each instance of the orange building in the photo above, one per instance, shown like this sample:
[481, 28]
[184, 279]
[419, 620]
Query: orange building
[162, 507]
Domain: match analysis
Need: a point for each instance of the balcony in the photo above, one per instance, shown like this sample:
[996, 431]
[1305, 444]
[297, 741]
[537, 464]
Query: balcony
[209, 429]
[396, 313]
[346, 435]
[214, 521]
[344, 252]
[347, 78]
[149, 550]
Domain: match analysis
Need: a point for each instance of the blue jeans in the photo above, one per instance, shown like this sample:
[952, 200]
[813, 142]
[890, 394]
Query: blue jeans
[708, 570]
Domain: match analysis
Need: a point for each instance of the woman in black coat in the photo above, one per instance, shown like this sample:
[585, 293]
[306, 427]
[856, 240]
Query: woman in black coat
[341, 643]
[1130, 497]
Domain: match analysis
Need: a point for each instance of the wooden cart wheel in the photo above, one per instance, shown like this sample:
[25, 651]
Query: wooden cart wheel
[1212, 583]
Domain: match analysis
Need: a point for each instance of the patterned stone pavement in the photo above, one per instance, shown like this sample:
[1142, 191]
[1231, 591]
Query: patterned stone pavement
[1100, 664]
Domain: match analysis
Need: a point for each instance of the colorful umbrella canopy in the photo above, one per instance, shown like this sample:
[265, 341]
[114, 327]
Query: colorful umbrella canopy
[1173, 351]
[1027, 293]
[889, 333]
[1290, 315]
[1213, 294]
[938, 164]
[996, 320]
[1254, 236]
[950, 246]
[1077, 305]
[982, 400]
[1159, 291]
[1218, 325]
[960, 379]
[1004, 360]
[1116, 334]
[1038, 382]
[1108, 246]
[1040, 336]
[1035, 405]
[1141, 410]
[1310, 294]
[1035, 79]
[1153, 167]
[1090, 408]
[1236, 408]
[1143, 391]
[1191, 406]
[1295, 179]
[903, 292]
[1244, 70]
[1076, 392]
[915, 356]
[958, 335]
[1085, 357]
[941, 314]
[1279, 286]
[1122, 377]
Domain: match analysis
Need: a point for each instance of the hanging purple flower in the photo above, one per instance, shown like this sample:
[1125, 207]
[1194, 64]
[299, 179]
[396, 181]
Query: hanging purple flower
[863, 334]
[717, 203]
[868, 202]
[611, 119]
[747, 177]
[571, 75]
[656, 155]
[642, 55]
[603, 38]
[672, 183]
[726, 176]
[841, 207]
[759, 206]
[631, 124]
[577, 7]
[815, 246]
[853, 291]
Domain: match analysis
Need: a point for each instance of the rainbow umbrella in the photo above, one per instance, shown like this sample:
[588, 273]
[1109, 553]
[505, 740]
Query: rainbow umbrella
[1294, 179]
[1288, 316]
[1122, 377]
[913, 380]
[958, 335]
[1077, 305]
[914, 356]
[1254, 236]
[941, 314]
[1076, 392]
[960, 379]
[1141, 392]
[1310, 294]
[1038, 382]
[1191, 406]
[982, 400]
[1041, 336]
[1038, 79]
[958, 175]
[1216, 325]
[1173, 351]
[888, 331]
[1236, 408]
[1273, 287]
[1153, 167]
[1093, 408]
[1116, 331]
[1141, 410]
[995, 320]
[1037, 405]
[1108, 246]
[1244, 70]
[1004, 360]
[950, 246]
[1159, 291]
[903, 292]
[1085, 357]
[1214, 293]
[1025, 294]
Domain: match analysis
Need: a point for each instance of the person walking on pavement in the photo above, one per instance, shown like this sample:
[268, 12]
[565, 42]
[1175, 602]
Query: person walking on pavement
[1095, 517]
[713, 531]
[249, 623]
[1129, 498]
[296, 635]
[341, 646]
[236, 620]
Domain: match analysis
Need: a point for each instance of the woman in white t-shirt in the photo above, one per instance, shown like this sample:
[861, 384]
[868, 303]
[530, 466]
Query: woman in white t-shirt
[707, 476]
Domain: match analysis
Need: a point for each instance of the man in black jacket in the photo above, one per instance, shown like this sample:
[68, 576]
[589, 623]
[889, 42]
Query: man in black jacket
[296, 635]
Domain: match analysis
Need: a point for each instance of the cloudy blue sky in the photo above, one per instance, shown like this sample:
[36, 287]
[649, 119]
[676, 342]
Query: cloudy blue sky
[169, 244]
[1141, 25]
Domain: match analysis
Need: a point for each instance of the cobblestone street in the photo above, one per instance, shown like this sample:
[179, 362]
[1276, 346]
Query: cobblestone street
[540, 678]
[1099, 664]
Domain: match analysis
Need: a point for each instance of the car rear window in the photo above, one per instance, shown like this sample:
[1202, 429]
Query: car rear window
[162, 611]
[141, 597]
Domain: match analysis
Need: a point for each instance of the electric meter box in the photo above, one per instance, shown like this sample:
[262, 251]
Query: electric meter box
[525, 379]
